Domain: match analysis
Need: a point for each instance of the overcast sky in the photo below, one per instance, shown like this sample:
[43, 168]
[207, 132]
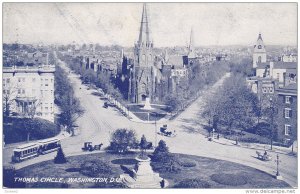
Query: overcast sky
[118, 23]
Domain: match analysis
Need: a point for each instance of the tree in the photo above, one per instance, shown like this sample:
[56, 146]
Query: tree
[71, 111]
[7, 98]
[122, 140]
[161, 152]
[70, 106]
[171, 102]
[60, 157]
[89, 75]
[234, 105]
[270, 113]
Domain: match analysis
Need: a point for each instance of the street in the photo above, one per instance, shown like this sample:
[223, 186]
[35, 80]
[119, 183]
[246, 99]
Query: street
[97, 124]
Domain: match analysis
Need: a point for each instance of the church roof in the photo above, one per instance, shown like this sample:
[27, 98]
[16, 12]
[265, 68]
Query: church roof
[278, 65]
[175, 60]
[259, 46]
[144, 36]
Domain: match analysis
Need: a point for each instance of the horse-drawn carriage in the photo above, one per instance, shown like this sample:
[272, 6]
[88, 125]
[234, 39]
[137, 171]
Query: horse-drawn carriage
[88, 146]
[163, 131]
[264, 157]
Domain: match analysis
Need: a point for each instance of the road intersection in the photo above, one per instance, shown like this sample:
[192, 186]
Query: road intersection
[97, 124]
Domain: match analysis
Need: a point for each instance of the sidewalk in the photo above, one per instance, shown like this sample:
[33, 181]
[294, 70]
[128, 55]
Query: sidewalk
[257, 146]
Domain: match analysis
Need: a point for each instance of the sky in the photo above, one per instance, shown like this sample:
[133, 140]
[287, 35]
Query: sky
[170, 23]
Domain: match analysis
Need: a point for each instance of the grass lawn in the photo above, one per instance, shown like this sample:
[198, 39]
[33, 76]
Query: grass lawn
[142, 114]
[213, 172]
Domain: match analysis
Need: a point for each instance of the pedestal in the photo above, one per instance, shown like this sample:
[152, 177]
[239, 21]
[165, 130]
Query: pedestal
[143, 176]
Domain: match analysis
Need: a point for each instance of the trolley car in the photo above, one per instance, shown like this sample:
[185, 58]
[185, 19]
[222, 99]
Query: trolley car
[30, 150]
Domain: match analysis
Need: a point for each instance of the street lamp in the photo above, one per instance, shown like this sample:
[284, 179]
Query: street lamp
[155, 128]
[278, 176]
[272, 120]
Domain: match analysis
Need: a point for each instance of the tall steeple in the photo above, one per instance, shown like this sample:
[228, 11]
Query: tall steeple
[191, 53]
[144, 36]
[259, 52]
[142, 78]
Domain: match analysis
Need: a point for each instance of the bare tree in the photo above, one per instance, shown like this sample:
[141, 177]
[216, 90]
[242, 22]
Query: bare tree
[9, 92]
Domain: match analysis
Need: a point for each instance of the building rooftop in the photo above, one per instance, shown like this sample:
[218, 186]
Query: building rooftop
[289, 89]
[177, 61]
[278, 65]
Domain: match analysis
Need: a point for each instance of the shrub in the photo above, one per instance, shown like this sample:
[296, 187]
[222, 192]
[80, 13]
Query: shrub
[60, 157]
[187, 164]
[122, 140]
[38, 128]
[95, 168]
[229, 179]
[161, 152]
[192, 183]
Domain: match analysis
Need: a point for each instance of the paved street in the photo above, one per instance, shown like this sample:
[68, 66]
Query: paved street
[98, 123]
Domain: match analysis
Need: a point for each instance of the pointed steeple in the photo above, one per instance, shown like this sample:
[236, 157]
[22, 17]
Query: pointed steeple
[191, 53]
[259, 37]
[259, 47]
[144, 36]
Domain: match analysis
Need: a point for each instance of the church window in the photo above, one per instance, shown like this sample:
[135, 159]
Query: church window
[259, 46]
[259, 59]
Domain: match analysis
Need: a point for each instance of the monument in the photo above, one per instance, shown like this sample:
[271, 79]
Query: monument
[142, 176]
[147, 105]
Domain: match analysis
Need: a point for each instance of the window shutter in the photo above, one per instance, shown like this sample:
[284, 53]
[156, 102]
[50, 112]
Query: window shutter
[291, 99]
[283, 113]
[283, 99]
[290, 113]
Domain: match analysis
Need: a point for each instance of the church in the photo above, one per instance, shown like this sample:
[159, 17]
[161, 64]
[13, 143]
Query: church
[154, 76]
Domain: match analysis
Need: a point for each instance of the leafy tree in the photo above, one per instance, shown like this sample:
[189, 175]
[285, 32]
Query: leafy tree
[161, 152]
[171, 102]
[122, 140]
[270, 113]
[70, 106]
[89, 75]
[234, 105]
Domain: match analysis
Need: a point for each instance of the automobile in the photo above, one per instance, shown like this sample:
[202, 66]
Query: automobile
[103, 98]
[88, 146]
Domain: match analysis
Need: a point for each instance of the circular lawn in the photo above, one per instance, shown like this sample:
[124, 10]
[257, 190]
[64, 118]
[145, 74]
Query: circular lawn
[192, 172]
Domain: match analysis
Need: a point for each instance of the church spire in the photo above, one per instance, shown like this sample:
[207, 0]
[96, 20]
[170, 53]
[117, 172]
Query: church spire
[144, 37]
[191, 53]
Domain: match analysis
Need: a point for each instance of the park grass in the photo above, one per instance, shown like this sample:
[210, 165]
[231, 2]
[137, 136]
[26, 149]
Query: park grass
[204, 169]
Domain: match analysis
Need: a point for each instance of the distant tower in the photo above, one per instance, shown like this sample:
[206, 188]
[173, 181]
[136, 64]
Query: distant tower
[142, 77]
[191, 53]
[259, 53]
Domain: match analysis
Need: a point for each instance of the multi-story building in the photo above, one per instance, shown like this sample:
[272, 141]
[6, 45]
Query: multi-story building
[275, 84]
[287, 113]
[28, 91]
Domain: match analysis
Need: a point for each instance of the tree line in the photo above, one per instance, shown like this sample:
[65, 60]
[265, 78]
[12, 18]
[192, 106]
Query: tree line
[70, 108]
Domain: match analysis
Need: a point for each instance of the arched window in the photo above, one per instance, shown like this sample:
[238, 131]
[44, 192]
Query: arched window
[144, 57]
[259, 59]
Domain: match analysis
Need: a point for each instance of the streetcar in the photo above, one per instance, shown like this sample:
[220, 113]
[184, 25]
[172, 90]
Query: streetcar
[48, 145]
[30, 150]
[25, 151]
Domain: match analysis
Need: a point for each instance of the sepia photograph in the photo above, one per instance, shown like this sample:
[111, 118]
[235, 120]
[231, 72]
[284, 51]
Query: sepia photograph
[145, 95]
